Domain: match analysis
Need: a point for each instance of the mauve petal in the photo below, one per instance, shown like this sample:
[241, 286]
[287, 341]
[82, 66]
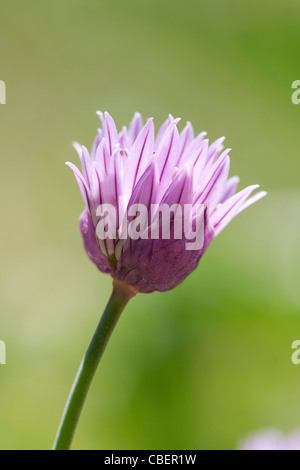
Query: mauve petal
[124, 140]
[178, 195]
[99, 183]
[199, 160]
[215, 148]
[180, 190]
[162, 130]
[142, 150]
[186, 136]
[110, 132]
[230, 188]
[144, 193]
[86, 166]
[91, 177]
[213, 193]
[213, 182]
[90, 243]
[78, 148]
[85, 192]
[252, 200]
[191, 151]
[135, 127]
[100, 116]
[167, 156]
[113, 184]
[96, 142]
[102, 157]
[139, 157]
[229, 209]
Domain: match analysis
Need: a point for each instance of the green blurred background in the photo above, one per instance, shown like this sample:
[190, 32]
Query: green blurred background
[201, 366]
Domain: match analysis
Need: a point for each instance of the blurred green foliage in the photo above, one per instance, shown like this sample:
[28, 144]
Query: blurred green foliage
[198, 367]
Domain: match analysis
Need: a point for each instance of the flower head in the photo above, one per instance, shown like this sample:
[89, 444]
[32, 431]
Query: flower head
[154, 203]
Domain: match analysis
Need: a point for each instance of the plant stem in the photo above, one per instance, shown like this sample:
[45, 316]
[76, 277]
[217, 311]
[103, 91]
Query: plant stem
[121, 294]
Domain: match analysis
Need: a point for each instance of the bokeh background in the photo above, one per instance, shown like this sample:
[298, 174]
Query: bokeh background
[196, 368]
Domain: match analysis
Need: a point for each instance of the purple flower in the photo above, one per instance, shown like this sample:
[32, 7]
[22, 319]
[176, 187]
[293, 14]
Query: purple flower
[135, 167]
[271, 439]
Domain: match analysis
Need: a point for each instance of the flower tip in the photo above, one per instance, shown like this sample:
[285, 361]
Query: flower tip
[174, 121]
[252, 187]
[85, 150]
[189, 124]
[256, 197]
[100, 115]
[107, 115]
[149, 122]
[77, 146]
[261, 194]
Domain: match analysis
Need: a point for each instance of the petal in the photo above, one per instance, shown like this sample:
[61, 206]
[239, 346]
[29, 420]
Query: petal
[230, 188]
[85, 192]
[211, 190]
[135, 128]
[163, 129]
[110, 132]
[78, 148]
[186, 136]
[87, 165]
[179, 193]
[167, 156]
[180, 190]
[113, 184]
[96, 142]
[100, 116]
[215, 148]
[199, 160]
[124, 139]
[191, 151]
[229, 209]
[139, 157]
[143, 193]
[252, 200]
[102, 156]
[100, 177]
[90, 243]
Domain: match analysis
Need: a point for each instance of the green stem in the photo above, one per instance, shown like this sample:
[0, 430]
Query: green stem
[119, 298]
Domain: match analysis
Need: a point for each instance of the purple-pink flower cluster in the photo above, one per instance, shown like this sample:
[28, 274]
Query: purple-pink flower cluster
[135, 166]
